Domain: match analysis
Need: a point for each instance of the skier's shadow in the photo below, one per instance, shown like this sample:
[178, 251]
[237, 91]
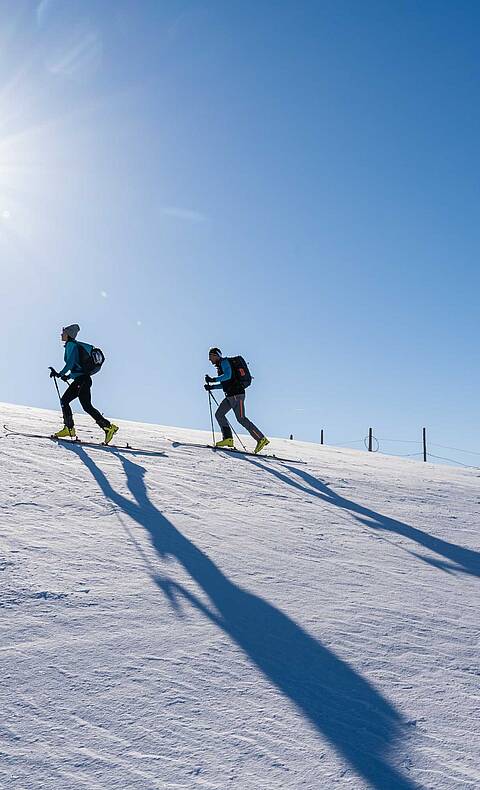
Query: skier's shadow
[361, 724]
[456, 558]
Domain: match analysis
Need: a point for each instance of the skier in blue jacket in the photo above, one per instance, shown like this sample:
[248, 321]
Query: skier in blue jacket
[234, 399]
[79, 388]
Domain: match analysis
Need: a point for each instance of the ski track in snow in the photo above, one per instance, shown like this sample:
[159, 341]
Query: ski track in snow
[195, 620]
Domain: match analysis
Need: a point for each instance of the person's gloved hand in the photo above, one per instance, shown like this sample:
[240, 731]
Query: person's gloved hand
[53, 373]
[207, 387]
[64, 378]
[208, 378]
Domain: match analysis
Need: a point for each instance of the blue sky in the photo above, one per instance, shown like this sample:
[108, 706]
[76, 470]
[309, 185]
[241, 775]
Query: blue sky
[293, 181]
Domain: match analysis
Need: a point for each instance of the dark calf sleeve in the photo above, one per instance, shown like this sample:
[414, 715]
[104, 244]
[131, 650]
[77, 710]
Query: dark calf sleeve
[70, 394]
[67, 415]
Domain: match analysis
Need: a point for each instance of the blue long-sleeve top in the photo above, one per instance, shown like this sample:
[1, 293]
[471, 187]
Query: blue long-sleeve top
[72, 366]
[226, 374]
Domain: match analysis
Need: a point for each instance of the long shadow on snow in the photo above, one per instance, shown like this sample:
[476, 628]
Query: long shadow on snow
[459, 558]
[343, 707]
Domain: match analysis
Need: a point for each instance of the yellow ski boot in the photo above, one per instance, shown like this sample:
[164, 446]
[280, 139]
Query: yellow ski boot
[224, 443]
[110, 432]
[261, 444]
[65, 433]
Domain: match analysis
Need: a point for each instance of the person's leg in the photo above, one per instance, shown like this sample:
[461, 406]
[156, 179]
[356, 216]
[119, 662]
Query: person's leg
[70, 394]
[238, 405]
[85, 398]
[220, 416]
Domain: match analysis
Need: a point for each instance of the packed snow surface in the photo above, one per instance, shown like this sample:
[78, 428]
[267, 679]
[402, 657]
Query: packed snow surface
[179, 618]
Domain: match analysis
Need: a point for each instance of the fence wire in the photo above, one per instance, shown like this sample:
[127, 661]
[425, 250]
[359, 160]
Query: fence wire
[452, 460]
[378, 442]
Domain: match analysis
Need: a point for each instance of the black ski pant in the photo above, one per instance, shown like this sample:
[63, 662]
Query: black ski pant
[81, 388]
[237, 403]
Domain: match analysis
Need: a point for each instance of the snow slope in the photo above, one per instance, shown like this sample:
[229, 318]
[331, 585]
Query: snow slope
[184, 619]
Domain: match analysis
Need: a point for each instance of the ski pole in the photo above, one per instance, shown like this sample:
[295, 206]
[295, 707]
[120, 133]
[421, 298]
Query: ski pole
[211, 415]
[231, 426]
[58, 391]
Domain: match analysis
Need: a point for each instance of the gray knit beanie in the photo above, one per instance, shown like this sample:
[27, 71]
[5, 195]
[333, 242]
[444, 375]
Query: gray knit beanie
[72, 330]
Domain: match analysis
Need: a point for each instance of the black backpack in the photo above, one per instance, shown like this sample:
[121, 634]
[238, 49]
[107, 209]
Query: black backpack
[90, 358]
[240, 371]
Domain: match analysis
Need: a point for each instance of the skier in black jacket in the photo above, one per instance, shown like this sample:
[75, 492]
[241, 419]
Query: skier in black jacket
[234, 399]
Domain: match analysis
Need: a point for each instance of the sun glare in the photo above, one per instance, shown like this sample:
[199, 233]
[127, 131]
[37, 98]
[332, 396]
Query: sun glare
[38, 118]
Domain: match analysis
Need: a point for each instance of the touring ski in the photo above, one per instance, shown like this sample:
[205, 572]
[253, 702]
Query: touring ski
[124, 448]
[234, 451]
